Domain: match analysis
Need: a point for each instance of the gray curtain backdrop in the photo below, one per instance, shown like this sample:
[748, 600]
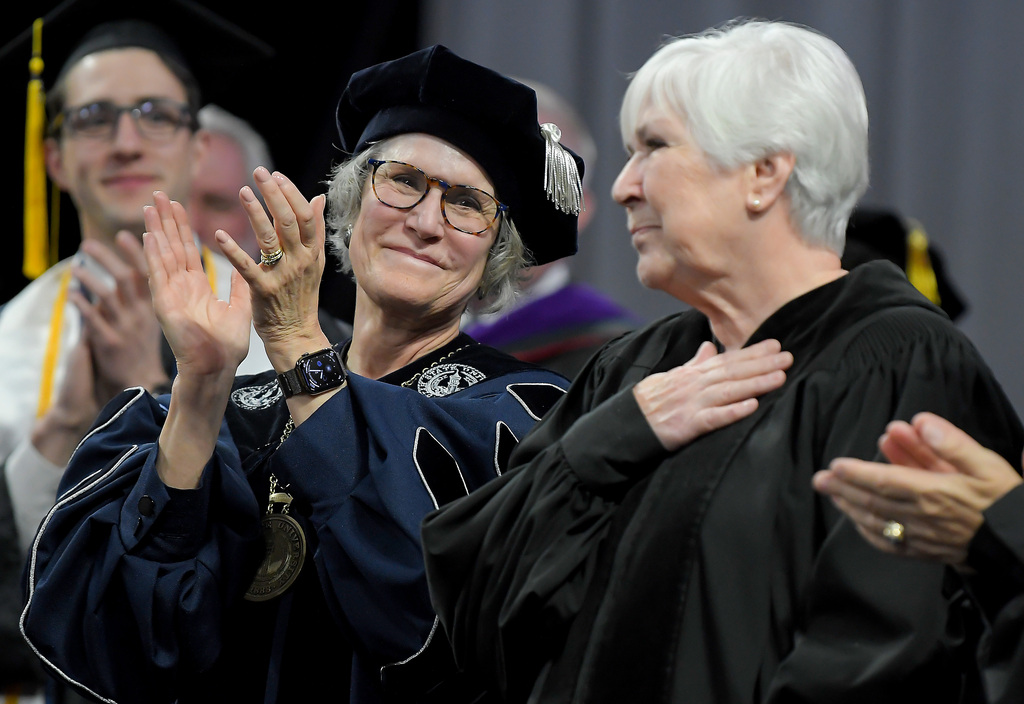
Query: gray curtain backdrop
[945, 88]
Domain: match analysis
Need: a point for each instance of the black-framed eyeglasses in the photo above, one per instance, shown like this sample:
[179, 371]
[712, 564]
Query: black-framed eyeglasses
[403, 186]
[155, 118]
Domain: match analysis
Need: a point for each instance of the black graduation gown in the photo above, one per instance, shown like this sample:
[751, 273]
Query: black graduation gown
[604, 569]
[996, 582]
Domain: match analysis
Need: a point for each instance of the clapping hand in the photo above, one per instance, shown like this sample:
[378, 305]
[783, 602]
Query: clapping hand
[939, 483]
[285, 285]
[209, 337]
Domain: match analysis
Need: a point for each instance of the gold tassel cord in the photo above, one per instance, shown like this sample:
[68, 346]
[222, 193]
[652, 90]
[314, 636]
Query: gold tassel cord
[54, 223]
[919, 265]
[211, 269]
[52, 354]
[36, 256]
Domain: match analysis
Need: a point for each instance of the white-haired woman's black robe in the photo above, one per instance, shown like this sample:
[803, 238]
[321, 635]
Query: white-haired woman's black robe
[135, 589]
[603, 569]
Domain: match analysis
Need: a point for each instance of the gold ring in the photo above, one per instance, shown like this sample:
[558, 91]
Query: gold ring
[271, 258]
[895, 532]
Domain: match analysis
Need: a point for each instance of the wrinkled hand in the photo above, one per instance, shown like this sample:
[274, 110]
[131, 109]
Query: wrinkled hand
[285, 295]
[940, 482]
[710, 391]
[119, 324]
[209, 337]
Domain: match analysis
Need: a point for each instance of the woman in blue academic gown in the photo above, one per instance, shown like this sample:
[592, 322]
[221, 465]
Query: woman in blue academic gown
[275, 556]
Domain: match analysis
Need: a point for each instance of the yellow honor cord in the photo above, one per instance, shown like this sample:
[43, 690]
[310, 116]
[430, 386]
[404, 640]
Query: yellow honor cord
[36, 255]
[919, 265]
[210, 266]
[52, 354]
[53, 346]
[54, 222]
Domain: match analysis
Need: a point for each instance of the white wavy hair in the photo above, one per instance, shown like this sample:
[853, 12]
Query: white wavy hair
[752, 88]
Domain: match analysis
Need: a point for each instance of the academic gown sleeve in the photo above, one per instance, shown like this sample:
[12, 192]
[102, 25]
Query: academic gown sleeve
[128, 580]
[996, 556]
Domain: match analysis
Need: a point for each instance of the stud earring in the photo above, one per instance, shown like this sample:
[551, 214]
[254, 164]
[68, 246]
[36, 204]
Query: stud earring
[755, 204]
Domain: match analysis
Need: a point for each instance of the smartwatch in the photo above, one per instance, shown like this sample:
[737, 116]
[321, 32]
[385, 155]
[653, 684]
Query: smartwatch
[314, 373]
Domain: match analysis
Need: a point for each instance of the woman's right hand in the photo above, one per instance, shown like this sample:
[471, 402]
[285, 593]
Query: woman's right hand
[285, 294]
[209, 337]
[710, 391]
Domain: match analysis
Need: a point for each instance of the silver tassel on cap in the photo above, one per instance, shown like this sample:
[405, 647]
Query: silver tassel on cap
[561, 177]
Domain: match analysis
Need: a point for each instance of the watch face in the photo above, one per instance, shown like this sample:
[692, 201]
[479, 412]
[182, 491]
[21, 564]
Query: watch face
[322, 371]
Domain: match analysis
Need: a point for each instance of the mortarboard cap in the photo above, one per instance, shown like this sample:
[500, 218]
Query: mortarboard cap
[212, 48]
[189, 38]
[485, 114]
[879, 234]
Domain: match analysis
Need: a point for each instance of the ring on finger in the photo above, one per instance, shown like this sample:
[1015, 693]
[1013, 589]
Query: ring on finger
[271, 258]
[895, 532]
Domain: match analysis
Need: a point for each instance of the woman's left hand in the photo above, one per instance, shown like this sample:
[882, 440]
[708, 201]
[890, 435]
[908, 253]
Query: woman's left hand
[285, 293]
[940, 482]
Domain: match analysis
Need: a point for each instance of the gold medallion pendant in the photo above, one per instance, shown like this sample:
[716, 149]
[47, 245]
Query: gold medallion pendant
[285, 549]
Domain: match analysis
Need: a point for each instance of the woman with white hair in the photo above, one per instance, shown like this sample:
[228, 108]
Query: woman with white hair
[625, 557]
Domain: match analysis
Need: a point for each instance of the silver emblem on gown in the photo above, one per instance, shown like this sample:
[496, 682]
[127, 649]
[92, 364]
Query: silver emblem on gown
[255, 398]
[447, 379]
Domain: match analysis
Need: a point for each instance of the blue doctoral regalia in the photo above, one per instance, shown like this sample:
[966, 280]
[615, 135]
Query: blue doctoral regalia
[135, 590]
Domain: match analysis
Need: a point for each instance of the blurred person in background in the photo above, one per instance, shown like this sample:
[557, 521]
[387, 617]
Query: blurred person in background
[555, 322]
[233, 152]
[120, 122]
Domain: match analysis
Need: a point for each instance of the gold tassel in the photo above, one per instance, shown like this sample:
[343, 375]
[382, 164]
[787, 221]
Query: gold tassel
[36, 259]
[919, 264]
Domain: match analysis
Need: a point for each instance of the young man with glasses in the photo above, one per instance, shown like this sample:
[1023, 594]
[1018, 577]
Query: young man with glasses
[122, 124]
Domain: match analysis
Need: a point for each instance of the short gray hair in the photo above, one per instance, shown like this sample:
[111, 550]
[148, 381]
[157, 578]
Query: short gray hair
[255, 151]
[505, 263]
[750, 89]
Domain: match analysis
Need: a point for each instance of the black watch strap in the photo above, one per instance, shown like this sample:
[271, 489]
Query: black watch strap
[291, 383]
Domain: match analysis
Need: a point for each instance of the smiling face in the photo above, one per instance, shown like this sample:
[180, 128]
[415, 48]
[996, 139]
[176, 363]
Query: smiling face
[684, 214]
[110, 180]
[411, 263]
